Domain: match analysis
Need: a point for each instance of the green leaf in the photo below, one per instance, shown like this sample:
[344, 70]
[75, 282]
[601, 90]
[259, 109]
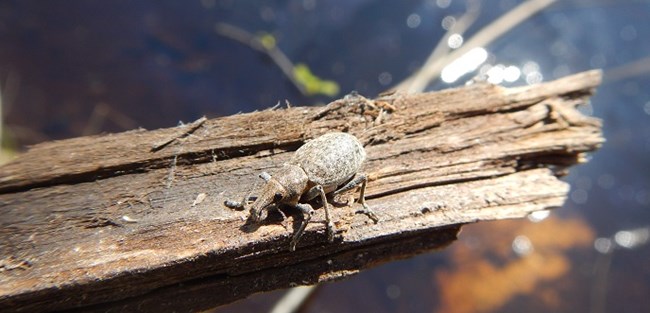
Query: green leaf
[313, 84]
[267, 40]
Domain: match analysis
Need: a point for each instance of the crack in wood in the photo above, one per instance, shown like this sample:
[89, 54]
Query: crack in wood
[432, 170]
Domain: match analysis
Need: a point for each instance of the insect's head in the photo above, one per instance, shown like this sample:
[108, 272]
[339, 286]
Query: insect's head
[272, 194]
[284, 188]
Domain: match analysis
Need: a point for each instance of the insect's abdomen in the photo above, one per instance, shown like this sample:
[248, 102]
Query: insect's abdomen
[331, 159]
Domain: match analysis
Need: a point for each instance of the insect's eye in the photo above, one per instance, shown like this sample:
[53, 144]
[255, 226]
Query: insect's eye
[277, 196]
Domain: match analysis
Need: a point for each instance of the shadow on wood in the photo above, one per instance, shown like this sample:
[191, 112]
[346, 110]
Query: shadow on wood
[136, 221]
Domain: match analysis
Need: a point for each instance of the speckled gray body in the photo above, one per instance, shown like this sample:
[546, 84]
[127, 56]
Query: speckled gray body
[328, 164]
[330, 160]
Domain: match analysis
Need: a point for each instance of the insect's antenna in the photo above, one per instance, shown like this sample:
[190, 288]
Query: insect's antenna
[265, 176]
[247, 197]
[243, 205]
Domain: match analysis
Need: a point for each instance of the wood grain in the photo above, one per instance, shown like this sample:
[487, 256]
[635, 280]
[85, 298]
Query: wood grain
[115, 222]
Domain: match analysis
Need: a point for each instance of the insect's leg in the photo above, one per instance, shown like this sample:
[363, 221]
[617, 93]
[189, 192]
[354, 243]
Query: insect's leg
[308, 212]
[312, 193]
[358, 179]
[330, 225]
[284, 217]
[362, 179]
[362, 199]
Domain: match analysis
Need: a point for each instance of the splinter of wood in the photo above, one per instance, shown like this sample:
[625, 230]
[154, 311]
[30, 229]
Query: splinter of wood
[192, 128]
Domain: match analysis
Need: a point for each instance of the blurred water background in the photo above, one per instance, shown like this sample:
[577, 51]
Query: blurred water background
[72, 68]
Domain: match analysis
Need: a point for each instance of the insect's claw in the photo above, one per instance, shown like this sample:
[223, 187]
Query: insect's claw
[368, 212]
[330, 231]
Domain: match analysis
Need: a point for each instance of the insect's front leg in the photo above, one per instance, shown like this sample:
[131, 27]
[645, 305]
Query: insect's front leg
[308, 212]
[330, 225]
[319, 191]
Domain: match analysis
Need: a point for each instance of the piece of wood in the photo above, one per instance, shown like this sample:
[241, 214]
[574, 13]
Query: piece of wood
[136, 221]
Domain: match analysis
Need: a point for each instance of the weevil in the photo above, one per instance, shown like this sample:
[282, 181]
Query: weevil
[327, 165]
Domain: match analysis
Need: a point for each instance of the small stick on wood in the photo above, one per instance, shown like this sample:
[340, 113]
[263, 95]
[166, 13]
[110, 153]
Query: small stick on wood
[191, 128]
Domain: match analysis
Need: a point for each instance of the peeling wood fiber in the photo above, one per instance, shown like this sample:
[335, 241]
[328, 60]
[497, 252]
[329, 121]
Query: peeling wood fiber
[114, 221]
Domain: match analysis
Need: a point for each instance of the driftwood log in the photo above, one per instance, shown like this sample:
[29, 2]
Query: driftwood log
[136, 221]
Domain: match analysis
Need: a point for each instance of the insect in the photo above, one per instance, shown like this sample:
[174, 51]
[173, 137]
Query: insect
[327, 165]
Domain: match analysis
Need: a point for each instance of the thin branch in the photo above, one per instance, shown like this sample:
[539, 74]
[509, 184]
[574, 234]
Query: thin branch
[294, 299]
[639, 67]
[484, 37]
[250, 40]
[103, 112]
[420, 79]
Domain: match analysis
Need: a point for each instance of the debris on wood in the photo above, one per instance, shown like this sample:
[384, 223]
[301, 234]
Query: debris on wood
[98, 223]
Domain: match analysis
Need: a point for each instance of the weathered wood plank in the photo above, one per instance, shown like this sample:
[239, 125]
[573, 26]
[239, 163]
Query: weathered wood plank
[110, 221]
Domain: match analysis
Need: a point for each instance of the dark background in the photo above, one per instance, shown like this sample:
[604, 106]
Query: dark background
[72, 68]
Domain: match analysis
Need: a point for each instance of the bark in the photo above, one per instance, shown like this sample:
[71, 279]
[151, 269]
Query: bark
[136, 221]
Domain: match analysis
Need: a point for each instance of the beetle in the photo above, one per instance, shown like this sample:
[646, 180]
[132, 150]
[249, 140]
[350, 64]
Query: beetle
[327, 165]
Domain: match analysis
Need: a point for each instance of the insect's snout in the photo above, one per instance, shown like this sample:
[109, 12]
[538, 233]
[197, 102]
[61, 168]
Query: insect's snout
[258, 215]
